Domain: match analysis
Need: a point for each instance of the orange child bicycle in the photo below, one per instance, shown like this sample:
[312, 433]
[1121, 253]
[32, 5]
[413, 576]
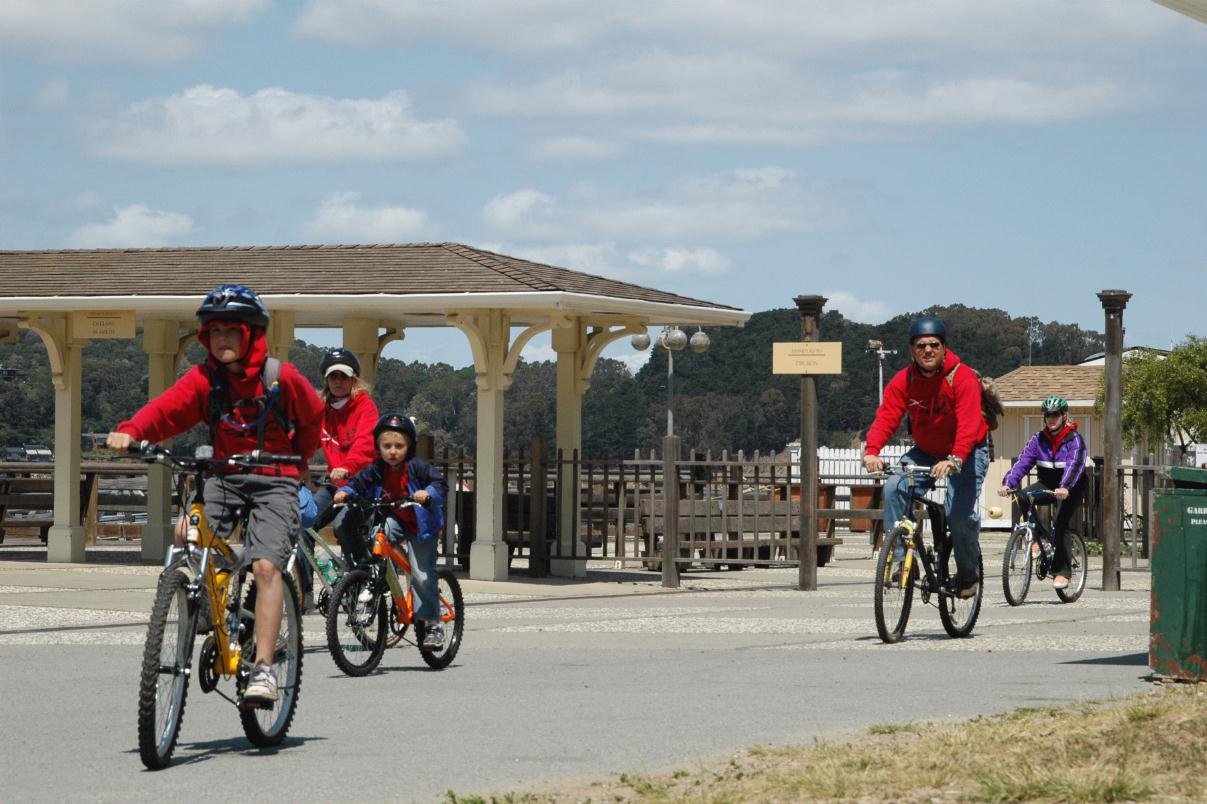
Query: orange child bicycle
[379, 596]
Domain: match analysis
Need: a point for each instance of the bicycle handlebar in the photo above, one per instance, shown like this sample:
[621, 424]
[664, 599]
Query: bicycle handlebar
[204, 457]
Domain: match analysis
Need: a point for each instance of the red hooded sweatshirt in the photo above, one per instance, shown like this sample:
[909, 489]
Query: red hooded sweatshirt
[945, 417]
[348, 434]
[185, 404]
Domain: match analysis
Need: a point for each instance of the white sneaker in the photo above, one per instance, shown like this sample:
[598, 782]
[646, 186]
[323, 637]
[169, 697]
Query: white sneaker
[365, 597]
[262, 688]
[433, 636]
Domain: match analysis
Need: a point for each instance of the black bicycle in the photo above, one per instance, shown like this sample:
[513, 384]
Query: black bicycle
[1030, 552]
[907, 563]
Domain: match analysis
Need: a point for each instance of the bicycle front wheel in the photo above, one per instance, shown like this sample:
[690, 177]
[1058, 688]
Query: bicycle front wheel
[1016, 566]
[356, 627]
[959, 615]
[164, 682]
[452, 619]
[894, 594]
[1078, 568]
[267, 726]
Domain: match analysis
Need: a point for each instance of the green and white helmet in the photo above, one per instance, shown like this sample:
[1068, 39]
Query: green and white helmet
[1054, 404]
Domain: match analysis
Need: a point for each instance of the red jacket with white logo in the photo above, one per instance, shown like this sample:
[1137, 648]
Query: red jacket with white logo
[348, 434]
[186, 404]
[945, 418]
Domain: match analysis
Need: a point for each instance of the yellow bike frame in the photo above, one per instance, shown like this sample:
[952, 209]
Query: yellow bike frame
[217, 581]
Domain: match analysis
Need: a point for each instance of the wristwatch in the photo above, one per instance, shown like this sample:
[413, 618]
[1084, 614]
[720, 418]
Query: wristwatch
[959, 463]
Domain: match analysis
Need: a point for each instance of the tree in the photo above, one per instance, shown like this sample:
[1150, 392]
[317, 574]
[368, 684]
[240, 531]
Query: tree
[1165, 400]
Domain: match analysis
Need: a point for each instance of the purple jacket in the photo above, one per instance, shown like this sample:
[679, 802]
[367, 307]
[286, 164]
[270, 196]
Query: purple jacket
[1063, 467]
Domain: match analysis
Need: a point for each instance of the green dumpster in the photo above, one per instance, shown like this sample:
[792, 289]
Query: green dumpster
[1178, 632]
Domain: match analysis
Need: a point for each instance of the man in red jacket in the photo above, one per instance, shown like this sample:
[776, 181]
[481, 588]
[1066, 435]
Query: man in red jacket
[943, 400]
[228, 393]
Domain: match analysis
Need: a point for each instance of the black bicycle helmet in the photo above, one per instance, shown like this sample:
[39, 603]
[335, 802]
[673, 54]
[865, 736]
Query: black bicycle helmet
[399, 423]
[339, 359]
[234, 302]
[927, 325]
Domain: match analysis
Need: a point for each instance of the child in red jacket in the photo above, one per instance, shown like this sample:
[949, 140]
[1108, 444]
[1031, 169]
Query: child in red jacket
[228, 392]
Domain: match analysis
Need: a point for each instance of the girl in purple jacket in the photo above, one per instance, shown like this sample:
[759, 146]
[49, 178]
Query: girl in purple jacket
[1058, 453]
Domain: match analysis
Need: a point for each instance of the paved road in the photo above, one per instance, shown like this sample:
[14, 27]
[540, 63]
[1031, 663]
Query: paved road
[554, 680]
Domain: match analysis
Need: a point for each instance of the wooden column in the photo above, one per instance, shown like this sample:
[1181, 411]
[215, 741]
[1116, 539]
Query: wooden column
[810, 311]
[1113, 302]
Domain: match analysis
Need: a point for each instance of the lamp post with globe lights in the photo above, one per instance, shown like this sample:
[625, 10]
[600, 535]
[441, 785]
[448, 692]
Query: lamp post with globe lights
[672, 339]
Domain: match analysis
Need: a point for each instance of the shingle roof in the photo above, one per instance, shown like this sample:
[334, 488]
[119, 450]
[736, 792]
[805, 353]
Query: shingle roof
[1033, 383]
[418, 268]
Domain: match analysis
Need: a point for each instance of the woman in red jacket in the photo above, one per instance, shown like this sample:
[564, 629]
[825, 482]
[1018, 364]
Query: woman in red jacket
[347, 440]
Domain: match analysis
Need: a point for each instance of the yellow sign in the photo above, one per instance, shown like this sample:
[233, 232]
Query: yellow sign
[811, 357]
[88, 324]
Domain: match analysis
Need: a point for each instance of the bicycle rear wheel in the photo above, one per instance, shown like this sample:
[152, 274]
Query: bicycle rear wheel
[356, 630]
[1016, 566]
[267, 726]
[452, 618]
[893, 595]
[164, 682]
[959, 615]
[1078, 567]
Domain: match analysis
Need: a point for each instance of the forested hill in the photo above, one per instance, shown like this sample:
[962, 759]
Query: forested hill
[725, 398]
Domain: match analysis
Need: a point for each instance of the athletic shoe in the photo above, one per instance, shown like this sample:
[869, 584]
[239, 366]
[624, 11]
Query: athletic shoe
[433, 636]
[262, 688]
[968, 591]
[1060, 582]
[365, 597]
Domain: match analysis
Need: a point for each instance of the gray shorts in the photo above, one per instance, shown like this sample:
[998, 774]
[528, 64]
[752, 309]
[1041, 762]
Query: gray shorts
[273, 520]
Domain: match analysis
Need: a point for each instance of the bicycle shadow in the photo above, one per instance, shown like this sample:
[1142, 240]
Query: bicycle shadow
[202, 751]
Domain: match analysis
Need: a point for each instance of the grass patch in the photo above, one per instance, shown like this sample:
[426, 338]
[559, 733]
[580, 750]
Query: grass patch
[1150, 747]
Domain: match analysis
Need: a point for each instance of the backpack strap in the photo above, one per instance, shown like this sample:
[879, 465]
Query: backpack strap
[270, 403]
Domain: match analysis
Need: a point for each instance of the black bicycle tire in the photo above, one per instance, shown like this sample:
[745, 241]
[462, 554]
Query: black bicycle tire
[1013, 546]
[947, 602]
[440, 659]
[883, 571]
[155, 747]
[352, 581]
[291, 689]
[1077, 582]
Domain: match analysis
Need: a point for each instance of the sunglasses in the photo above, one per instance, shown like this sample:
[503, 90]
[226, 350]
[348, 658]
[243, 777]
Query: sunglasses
[924, 345]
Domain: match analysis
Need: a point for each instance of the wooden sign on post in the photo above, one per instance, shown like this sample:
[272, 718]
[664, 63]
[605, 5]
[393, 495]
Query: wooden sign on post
[813, 357]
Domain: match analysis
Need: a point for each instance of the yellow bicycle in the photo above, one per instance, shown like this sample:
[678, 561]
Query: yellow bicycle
[203, 577]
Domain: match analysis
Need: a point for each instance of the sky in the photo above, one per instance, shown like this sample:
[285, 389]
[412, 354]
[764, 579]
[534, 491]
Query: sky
[888, 154]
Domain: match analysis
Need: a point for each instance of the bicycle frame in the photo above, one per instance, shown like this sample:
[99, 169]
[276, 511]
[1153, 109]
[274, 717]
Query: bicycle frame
[923, 509]
[404, 602]
[310, 539]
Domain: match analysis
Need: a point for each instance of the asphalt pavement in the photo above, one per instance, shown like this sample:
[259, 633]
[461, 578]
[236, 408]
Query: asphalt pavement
[555, 679]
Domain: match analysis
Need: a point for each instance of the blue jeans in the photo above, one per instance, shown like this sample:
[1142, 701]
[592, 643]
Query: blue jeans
[963, 490]
[422, 555]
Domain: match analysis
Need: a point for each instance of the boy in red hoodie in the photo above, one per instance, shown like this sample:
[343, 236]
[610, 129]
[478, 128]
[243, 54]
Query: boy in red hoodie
[233, 330]
[943, 400]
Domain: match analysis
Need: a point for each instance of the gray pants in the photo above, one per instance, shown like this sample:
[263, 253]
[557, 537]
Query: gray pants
[273, 517]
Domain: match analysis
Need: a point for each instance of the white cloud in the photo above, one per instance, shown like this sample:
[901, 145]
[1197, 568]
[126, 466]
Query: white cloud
[342, 218]
[52, 95]
[888, 28]
[523, 213]
[207, 125]
[864, 311]
[134, 226]
[573, 150]
[73, 31]
[683, 260]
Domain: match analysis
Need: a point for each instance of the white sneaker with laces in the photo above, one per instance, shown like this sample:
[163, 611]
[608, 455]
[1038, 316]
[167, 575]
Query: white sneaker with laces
[365, 596]
[433, 636]
[262, 687]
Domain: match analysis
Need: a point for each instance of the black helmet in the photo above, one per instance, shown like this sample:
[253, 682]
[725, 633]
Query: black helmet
[399, 423]
[927, 325]
[236, 302]
[339, 359]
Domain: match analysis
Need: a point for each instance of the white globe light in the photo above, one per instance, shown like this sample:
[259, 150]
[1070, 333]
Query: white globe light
[674, 339]
[700, 341]
[640, 342]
